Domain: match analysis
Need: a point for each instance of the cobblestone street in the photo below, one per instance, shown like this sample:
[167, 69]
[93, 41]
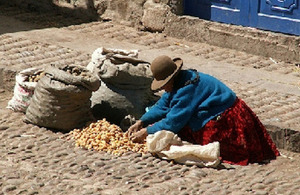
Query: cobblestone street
[35, 160]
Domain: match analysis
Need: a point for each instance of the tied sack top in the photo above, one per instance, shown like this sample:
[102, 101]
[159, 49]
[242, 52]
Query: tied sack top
[196, 99]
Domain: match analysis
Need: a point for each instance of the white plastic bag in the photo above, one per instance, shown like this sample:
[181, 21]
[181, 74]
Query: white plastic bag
[23, 90]
[169, 146]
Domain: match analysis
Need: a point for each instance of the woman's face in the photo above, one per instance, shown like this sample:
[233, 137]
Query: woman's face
[169, 86]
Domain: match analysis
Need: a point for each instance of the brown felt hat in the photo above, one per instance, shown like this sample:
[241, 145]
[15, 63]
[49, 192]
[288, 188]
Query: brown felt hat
[163, 69]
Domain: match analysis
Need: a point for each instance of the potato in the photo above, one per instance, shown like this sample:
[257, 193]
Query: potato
[103, 136]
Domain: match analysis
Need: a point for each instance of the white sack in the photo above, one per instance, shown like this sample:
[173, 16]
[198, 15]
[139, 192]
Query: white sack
[169, 146]
[23, 90]
[101, 54]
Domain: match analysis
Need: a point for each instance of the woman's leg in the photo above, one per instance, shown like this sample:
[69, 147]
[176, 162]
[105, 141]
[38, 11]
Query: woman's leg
[243, 139]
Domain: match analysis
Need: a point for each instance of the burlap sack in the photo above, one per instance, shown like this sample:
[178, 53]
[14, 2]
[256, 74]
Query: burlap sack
[125, 84]
[62, 98]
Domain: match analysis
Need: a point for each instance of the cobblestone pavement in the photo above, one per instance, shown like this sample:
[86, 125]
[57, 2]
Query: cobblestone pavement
[35, 160]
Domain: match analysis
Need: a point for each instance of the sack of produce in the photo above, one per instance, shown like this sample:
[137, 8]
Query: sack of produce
[125, 84]
[26, 82]
[62, 98]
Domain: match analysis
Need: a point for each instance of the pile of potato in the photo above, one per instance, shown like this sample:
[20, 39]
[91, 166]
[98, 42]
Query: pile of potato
[103, 136]
[76, 71]
[35, 77]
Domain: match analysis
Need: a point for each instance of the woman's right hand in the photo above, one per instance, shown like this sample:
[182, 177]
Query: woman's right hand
[135, 127]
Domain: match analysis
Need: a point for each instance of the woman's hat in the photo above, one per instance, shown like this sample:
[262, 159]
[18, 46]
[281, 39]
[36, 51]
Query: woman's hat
[163, 69]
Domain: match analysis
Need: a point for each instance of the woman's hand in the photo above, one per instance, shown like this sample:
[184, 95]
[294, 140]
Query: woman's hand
[140, 136]
[135, 127]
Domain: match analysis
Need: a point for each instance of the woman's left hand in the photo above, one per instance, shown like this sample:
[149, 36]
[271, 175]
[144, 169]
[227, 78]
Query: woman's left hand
[135, 127]
[140, 136]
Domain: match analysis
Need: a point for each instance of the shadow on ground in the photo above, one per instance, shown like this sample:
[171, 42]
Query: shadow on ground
[15, 17]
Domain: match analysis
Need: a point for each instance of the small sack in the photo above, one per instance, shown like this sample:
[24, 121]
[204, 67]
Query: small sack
[26, 82]
[121, 69]
[62, 98]
[125, 84]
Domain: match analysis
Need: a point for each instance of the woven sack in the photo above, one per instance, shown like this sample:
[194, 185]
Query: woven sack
[125, 84]
[62, 98]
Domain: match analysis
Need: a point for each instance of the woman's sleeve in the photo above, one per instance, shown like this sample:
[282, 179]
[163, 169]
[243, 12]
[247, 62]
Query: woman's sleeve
[157, 111]
[182, 108]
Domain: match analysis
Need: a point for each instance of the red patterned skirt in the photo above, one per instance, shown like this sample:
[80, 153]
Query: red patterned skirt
[243, 138]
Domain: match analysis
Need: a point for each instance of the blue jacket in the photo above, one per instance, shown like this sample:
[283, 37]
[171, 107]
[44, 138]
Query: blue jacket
[196, 99]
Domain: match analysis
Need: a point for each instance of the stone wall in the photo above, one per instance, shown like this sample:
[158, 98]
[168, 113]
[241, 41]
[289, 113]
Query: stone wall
[166, 16]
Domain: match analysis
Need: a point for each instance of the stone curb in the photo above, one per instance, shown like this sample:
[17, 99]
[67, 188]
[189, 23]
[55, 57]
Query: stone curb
[250, 40]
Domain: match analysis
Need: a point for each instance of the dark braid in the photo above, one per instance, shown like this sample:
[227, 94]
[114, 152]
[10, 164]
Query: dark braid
[195, 80]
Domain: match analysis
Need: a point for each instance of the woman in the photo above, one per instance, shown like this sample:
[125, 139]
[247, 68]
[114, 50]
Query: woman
[201, 109]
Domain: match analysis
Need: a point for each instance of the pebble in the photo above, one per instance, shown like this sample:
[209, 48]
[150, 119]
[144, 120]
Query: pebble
[142, 163]
[131, 174]
[136, 155]
[197, 174]
[3, 127]
[146, 177]
[268, 181]
[207, 181]
[87, 175]
[83, 168]
[156, 160]
[117, 177]
[214, 189]
[183, 170]
[166, 177]
[14, 181]
[176, 167]
[13, 176]
[258, 186]
[107, 166]
[184, 193]
[138, 167]
[30, 176]
[163, 163]
[146, 156]
[129, 182]
[72, 164]
[156, 181]
[9, 188]
[150, 165]
[99, 163]
[32, 192]
[11, 136]
[145, 186]
[22, 191]
[151, 159]
[256, 180]
[151, 172]
[261, 192]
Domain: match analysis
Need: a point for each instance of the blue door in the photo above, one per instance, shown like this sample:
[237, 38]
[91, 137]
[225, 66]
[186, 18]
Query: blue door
[228, 11]
[275, 15]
